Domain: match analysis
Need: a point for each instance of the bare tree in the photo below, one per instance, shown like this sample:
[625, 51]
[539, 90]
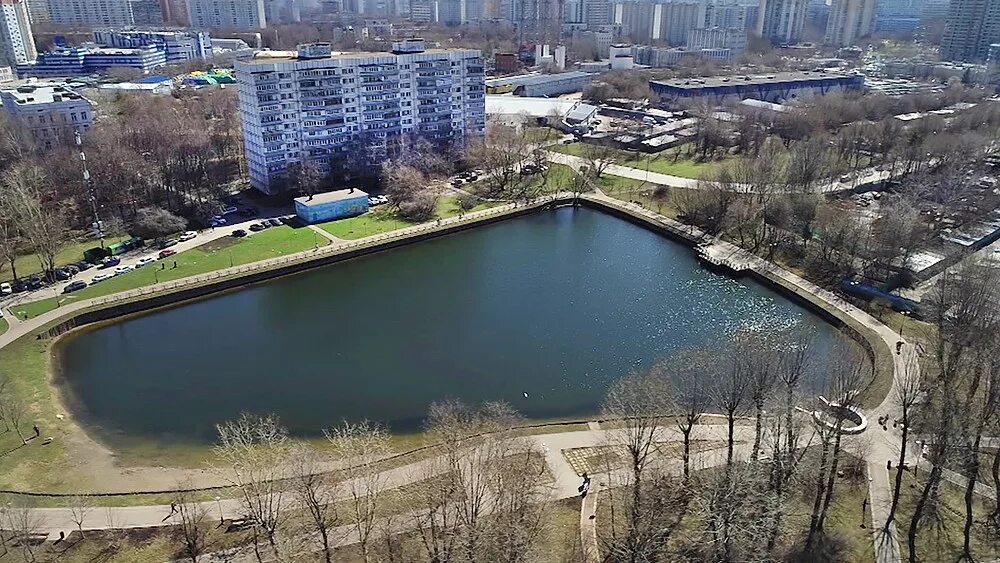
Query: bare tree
[908, 392]
[851, 374]
[43, 223]
[25, 525]
[637, 403]
[80, 506]
[192, 516]
[692, 368]
[730, 394]
[256, 453]
[361, 446]
[315, 490]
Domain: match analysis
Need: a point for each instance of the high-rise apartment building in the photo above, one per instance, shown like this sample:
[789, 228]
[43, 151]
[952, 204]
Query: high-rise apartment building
[38, 11]
[108, 13]
[328, 108]
[971, 26]
[849, 21]
[781, 21]
[597, 13]
[17, 46]
[670, 22]
[227, 13]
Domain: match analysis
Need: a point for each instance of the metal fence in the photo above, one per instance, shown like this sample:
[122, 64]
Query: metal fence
[320, 252]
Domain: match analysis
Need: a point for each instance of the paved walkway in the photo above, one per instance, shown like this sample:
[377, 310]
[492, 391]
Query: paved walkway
[867, 176]
[321, 232]
[566, 480]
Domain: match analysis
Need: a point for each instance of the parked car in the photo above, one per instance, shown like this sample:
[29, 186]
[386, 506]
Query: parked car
[74, 286]
[187, 236]
[19, 285]
[72, 269]
[6, 289]
[275, 222]
[256, 227]
[110, 261]
[83, 265]
[228, 210]
[62, 274]
[101, 277]
[167, 253]
[35, 282]
[168, 243]
[145, 261]
[123, 269]
[288, 219]
[239, 233]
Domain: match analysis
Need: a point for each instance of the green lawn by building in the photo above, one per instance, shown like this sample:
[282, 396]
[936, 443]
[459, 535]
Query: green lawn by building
[383, 219]
[3, 326]
[215, 255]
[672, 161]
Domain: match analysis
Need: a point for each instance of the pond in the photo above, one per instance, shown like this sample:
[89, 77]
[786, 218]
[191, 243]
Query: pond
[543, 312]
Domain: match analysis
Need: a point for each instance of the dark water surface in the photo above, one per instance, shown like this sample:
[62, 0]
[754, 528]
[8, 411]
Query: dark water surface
[556, 305]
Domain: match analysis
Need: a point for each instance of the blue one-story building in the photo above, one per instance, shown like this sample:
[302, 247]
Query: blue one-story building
[331, 205]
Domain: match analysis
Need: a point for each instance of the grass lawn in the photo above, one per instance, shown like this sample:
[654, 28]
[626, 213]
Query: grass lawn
[72, 252]
[3, 326]
[25, 362]
[215, 255]
[940, 538]
[383, 219]
[671, 161]
[540, 134]
[140, 545]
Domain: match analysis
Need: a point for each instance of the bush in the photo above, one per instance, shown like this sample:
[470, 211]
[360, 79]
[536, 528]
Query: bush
[419, 207]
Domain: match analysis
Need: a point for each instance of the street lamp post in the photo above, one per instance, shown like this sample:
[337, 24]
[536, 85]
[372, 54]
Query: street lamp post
[90, 187]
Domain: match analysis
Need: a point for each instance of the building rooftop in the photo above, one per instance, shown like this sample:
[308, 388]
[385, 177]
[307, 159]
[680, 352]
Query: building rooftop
[330, 197]
[267, 56]
[744, 80]
[536, 79]
[44, 94]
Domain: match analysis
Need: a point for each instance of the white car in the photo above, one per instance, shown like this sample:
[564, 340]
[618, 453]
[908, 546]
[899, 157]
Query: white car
[101, 277]
[123, 269]
[145, 261]
[6, 289]
[187, 236]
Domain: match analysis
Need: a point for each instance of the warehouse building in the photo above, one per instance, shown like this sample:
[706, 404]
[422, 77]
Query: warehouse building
[769, 88]
[331, 205]
[539, 85]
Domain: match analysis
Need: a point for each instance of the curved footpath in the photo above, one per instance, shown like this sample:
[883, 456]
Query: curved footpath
[884, 445]
[869, 175]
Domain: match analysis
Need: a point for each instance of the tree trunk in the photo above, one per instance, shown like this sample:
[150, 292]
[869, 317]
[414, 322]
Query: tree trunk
[687, 451]
[818, 498]
[995, 517]
[918, 512]
[831, 478]
[756, 434]
[898, 485]
[972, 470]
[731, 421]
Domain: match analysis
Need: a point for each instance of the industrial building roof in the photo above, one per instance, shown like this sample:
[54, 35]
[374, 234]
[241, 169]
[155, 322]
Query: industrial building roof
[536, 79]
[330, 197]
[756, 80]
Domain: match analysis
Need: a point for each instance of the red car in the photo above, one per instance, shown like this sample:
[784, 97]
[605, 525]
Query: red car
[167, 253]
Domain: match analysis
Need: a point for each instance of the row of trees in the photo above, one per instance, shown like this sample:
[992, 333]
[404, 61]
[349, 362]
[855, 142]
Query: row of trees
[479, 498]
[739, 510]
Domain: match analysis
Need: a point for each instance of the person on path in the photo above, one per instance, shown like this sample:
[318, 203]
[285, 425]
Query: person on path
[173, 510]
[37, 430]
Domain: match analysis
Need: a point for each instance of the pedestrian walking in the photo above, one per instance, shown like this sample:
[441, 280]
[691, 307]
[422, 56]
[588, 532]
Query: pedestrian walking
[899, 346]
[175, 264]
[888, 465]
[37, 430]
[864, 510]
[173, 510]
